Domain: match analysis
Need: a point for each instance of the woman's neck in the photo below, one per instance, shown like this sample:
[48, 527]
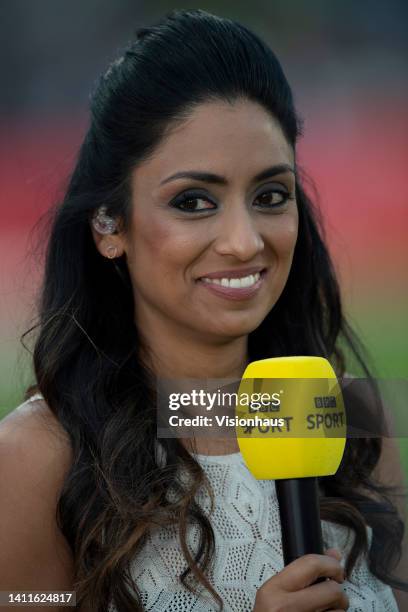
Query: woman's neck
[184, 357]
[181, 358]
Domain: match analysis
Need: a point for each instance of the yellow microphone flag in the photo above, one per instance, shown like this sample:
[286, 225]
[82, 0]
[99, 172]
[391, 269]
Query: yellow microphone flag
[304, 395]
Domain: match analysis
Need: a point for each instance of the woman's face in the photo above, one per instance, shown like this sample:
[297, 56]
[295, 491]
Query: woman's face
[231, 220]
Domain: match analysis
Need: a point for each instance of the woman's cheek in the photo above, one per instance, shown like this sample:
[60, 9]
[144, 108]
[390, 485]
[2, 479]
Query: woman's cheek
[151, 244]
[177, 245]
[291, 231]
[283, 237]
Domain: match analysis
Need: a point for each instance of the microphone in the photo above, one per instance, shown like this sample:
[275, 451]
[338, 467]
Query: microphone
[308, 442]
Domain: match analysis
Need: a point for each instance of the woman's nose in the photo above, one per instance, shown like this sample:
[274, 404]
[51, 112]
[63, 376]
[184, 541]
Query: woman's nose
[238, 234]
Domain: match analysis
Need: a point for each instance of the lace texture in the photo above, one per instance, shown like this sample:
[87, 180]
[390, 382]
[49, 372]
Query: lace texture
[248, 548]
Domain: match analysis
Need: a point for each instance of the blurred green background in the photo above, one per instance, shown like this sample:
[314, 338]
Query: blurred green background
[347, 64]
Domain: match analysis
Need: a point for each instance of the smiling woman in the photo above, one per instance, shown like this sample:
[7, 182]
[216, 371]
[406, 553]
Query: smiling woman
[247, 222]
[185, 247]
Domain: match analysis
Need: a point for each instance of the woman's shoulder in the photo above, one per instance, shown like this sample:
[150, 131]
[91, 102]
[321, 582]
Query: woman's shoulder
[35, 452]
[33, 421]
[35, 456]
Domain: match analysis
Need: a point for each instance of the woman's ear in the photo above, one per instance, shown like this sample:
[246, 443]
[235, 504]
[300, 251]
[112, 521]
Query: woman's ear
[108, 246]
[107, 234]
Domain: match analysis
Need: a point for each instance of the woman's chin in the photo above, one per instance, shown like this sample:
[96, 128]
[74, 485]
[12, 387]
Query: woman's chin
[234, 329]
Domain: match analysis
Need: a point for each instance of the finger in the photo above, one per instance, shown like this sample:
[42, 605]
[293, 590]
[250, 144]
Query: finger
[304, 571]
[322, 596]
[334, 552]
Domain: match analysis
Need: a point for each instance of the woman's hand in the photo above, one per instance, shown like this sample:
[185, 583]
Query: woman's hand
[292, 589]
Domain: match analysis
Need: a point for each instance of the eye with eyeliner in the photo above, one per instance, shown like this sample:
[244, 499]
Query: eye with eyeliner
[192, 196]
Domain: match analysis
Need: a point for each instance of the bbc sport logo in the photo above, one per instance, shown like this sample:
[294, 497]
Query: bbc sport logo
[327, 401]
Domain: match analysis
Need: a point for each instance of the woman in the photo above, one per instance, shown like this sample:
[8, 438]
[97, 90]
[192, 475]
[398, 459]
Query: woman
[187, 175]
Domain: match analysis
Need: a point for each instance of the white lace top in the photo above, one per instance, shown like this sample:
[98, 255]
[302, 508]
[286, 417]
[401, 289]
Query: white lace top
[248, 549]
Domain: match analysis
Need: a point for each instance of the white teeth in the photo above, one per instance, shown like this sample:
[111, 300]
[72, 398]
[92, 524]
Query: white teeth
[246, 281]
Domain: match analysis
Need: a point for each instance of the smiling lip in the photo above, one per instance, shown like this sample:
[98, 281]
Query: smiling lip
[234, 293]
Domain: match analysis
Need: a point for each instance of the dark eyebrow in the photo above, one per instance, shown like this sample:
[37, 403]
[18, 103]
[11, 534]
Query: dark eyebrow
[216, 179]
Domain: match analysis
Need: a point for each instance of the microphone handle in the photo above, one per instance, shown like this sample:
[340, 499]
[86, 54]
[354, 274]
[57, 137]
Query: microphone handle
[298, 500]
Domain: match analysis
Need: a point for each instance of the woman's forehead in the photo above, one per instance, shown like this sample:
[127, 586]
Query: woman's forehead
[230, 140]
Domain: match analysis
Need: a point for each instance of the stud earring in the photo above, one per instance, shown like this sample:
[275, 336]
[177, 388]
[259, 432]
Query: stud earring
[103, 223]
[111, 251]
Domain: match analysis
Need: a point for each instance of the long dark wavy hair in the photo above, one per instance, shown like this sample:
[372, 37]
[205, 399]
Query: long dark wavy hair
[87, 353]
